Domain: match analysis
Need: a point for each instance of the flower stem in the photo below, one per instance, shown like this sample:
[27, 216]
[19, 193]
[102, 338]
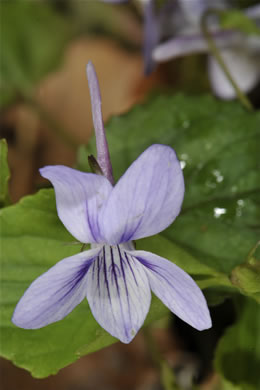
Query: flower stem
[216, 53]
[250, 256]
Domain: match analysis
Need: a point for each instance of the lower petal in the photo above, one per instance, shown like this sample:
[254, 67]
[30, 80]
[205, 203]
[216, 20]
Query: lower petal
[118, 292]
[176, 289]
[56, 293]
[244, 68]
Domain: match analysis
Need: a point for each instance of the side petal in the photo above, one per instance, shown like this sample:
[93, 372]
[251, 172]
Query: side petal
[253, 11]
[176, 289]
[244, 68]
[118, 293]
[147, 198]
[192, 43]
[55, 293]
[79, 196]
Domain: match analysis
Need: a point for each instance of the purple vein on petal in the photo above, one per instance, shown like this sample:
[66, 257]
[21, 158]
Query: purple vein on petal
[55, 293]
[125, 283]
[113, 274]
[97, 265]
[130, 267]
[124, 300]
[103, 156]
[176, 289]
[71, 284]
[105, 274]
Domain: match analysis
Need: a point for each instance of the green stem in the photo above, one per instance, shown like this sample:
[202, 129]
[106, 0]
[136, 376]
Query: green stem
[151, 346]
[166, 373]
[83, 247]
[216, 53]
[252, 252]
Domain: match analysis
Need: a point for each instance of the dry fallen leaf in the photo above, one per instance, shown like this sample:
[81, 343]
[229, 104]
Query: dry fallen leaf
[64, 96]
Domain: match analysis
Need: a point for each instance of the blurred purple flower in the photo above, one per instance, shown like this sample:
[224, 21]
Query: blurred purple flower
[173, 30]
[115, 278]
[240, 53]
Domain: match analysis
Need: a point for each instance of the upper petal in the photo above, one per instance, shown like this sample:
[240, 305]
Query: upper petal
[79, 197]
[118, 292]
[146, 199]
[55, 293]
[176, 289]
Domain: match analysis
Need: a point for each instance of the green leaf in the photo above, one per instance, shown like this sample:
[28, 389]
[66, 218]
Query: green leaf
[235, 19]
[32, 39]
[223, 384]
[247, 278]
[4, 173]
[238, 352]
[217, 143]
[33, 240]
[217, 295]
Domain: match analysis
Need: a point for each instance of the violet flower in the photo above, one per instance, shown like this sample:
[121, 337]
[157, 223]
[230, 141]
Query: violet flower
[116, 279]
[173, 30]
[240, 53]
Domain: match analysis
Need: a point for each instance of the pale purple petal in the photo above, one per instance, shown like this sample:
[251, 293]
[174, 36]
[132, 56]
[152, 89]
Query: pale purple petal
[244, 68]
[189, 44]
[101, 141]
[253, 12]
[79, 197]
[118, 292]
[151, 35]
[146, 199]
[176, 289]
[55, 293]
[192, 10]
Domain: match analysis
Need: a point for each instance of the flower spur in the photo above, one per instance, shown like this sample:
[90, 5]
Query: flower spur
[116, 279]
